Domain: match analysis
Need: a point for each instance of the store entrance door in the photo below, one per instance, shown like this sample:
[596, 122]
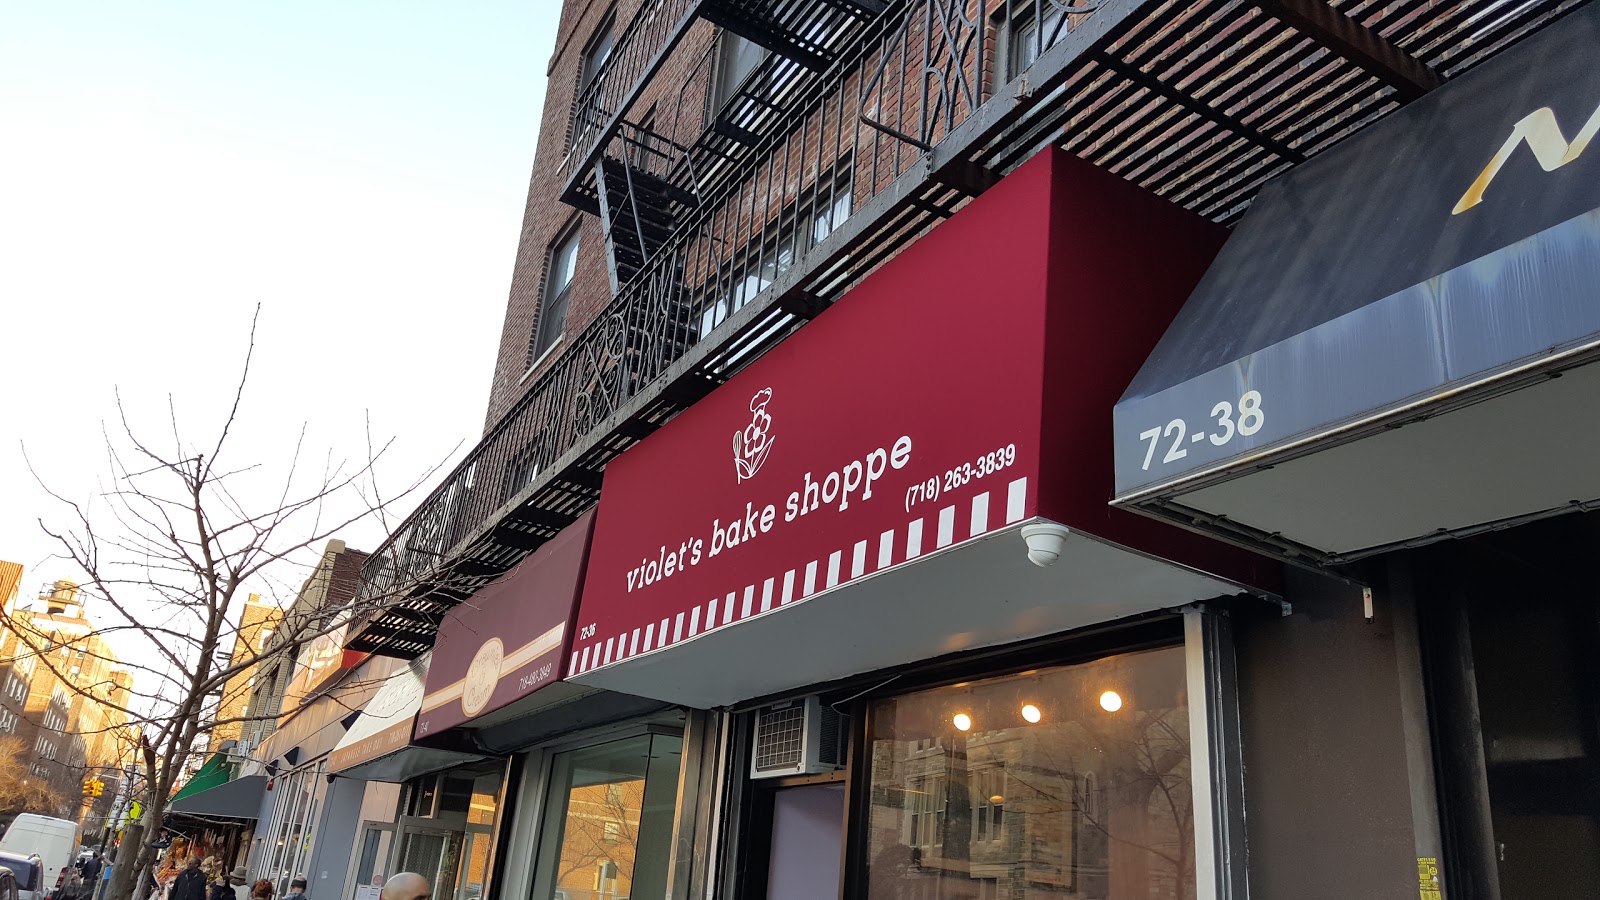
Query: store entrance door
[1512, 625]
[435, 854]
[372, 861]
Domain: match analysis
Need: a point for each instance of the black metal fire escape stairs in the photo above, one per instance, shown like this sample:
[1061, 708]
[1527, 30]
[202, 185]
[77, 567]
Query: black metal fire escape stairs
[642, 185]
[638, 201]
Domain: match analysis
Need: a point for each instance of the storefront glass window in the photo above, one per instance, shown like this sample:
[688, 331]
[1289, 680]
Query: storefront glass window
[300, 794]
[1070, 781]
[608, 825]
[448, 829]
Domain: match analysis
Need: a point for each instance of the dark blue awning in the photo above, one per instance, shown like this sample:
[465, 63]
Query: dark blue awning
[237, 799]
[1446, 252]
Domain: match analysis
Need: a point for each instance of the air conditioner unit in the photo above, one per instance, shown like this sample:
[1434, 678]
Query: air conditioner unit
[797, 737]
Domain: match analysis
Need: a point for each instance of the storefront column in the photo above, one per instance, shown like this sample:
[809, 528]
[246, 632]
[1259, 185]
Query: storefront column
[696, 833]
[1218, 783]
[1327, 788]
[1398, 598]
[526, 788]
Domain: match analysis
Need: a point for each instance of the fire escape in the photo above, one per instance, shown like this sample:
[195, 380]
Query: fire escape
[640, 183]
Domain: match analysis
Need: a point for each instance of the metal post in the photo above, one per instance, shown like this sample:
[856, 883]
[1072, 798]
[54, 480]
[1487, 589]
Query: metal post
[1216, 770]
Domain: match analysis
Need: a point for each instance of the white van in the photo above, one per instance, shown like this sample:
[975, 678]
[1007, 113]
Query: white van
[55, 841]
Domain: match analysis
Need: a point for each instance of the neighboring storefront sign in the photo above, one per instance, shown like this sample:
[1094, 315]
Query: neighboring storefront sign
[1452, 245]
[322, 658]
[960, 391]
[385, 723]
[510, 638]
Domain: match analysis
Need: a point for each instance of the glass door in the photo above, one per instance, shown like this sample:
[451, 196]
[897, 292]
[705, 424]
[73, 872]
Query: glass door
[474, 863]
[372, 859]
[607, 830]
[1512, 640]
[433, 854]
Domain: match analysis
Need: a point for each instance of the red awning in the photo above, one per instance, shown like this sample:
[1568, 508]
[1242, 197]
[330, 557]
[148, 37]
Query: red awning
[855, 498]
[510, 639]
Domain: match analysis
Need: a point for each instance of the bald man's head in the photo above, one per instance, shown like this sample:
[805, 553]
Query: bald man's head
[406, 886]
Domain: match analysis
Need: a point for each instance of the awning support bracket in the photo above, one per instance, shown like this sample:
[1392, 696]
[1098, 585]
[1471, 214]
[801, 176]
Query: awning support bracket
[1372, 52]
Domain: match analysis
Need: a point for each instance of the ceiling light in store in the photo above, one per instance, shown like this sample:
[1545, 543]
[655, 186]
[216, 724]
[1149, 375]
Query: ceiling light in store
[962, 721]
[1031, 713]
[1111, 701]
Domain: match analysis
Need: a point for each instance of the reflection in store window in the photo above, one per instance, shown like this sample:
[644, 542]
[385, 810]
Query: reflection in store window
[608, 822]
[1068, 800]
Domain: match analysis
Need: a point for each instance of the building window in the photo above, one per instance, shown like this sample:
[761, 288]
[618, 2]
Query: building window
[1036, 26]
[595, 54]
[562, 267]
[775, 248]
[736, 59]
[608, 819]
[1048, 788]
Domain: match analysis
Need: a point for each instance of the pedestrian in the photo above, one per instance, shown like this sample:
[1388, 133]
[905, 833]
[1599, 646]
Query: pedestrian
[297, 889]
[261, 890]
[91, 869]
[224, 889]
[190, 883]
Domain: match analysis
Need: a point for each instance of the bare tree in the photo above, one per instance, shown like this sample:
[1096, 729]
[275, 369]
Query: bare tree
[20, 791]
[170, 548]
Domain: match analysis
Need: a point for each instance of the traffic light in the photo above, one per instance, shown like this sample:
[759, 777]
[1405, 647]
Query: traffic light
[88, 787]
[94, 787]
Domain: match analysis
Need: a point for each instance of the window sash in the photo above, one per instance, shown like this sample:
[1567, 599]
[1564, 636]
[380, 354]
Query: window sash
[552, 321]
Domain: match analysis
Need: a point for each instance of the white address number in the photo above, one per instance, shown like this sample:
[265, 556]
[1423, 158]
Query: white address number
[1251, 418]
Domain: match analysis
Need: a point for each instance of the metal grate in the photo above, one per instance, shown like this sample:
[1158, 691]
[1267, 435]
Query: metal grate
[830, 737]
[780, 738]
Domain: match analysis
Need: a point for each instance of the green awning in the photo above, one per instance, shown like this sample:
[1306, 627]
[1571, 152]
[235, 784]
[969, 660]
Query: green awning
[215, 773]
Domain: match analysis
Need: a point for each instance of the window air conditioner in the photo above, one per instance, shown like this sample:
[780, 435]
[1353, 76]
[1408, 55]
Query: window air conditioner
[797, 737]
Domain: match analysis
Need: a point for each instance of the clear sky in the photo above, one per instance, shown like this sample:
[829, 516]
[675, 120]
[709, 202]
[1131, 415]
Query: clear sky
[357, 168]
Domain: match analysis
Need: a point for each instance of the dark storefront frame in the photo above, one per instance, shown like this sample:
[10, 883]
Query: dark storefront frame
[1509, 627]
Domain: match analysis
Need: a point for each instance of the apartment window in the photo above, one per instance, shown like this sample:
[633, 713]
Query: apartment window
[736, 59]
[1036, 25]
[989, 804]
[596, 52]
[774, 249]
[562, 266]
[1040, 780]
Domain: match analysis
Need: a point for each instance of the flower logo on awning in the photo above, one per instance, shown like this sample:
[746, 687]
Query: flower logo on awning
[751, 446]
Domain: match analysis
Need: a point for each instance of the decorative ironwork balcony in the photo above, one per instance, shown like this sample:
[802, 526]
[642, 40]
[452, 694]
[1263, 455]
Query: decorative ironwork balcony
[1199, 101]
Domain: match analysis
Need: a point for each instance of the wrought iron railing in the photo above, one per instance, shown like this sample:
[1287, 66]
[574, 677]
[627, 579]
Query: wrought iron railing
[802, 186]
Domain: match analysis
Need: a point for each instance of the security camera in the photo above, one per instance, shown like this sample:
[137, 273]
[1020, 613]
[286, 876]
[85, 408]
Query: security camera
[1045, 541]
